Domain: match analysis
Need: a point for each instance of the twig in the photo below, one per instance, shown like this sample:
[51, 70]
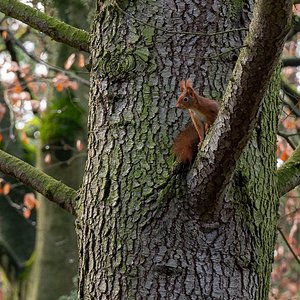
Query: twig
[215, 56]
[49, 187]
[287, 139]
[11, 116]
[289, 246]
[288, 174]
[37, 59]
[291, 106]
[292, 212]
[288, 134]
[66, 162]
[179, 32]
[57, 30]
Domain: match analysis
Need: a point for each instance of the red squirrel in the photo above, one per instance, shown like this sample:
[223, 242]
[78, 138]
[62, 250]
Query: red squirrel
[203, 112]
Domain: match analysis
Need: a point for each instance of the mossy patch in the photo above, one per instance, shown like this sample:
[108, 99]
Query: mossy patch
[63, 120]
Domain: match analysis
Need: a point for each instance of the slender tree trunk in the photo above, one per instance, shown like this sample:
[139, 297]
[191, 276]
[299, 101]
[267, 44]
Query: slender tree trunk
[17, 235]
[56, 258]
[139, 236]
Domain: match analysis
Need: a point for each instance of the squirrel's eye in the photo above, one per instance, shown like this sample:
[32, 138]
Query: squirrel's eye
[185, 99]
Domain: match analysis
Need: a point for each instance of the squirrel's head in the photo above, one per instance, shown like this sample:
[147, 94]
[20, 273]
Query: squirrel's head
[187, 97]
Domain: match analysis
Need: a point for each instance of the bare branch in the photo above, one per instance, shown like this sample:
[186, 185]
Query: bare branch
[295, 28]
[289, 246]
[290, 90]
[57, 30]
[54, 190]
[52, 67]
[167, 31]
[289, 174]
[221, 151]
[285, 99]
[10, 47]
[287, 138]
[291, 62]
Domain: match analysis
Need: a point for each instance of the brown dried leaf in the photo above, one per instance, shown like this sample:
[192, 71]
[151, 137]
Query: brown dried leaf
[70, 61]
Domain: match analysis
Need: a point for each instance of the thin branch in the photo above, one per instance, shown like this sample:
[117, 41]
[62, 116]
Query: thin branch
[54, 190]
[286, 137]
[292, 212]
[288, 134]
[289, 174]
[289, 246]
[57, 30]
[294, 29]
[66, 162]
[214, 56]
[178, 32]
[52, 67]
[10, 47]
[290, 90]
[11, 116]
[291, 62]
[215, 164]
[287, 102]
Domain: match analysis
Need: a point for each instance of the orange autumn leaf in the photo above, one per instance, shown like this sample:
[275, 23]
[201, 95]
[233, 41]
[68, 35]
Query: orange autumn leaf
[1, 137]
[2, 111]
[73, 85]
[30, 201]
[17, 89]
[59, 87]
[26, 213]
[80, 63]
[4, 34]
[289, 123]
[296, 8]
[24, 138]
[69, 62]
[284, 156]
[6, 189]
[48, 158]
[79, 145]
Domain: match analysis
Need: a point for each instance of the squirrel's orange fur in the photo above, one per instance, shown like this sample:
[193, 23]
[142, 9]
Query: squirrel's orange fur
[186, 144]
[203, 112]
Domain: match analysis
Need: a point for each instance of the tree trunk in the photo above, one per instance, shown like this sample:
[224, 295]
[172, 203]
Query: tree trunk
[56, 259]
[139, 238]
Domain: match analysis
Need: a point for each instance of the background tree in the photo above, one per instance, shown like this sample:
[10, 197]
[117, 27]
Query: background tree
[56, 258]
[55, 254]
[146, 227]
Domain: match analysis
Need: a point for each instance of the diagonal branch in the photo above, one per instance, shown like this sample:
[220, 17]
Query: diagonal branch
[10, 47]
[290, 90]
[289, 246]
[54, 190]
[57, 30]
[291, 62]
[289, 174]
[222, 149]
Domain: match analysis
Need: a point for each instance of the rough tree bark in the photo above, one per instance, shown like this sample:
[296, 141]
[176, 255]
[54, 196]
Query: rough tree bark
[140, 238]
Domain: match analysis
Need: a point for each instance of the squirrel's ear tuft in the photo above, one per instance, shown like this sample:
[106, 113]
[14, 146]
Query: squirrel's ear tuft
[189, 88]
[182, 85]
[189, 84]
[190, 91]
